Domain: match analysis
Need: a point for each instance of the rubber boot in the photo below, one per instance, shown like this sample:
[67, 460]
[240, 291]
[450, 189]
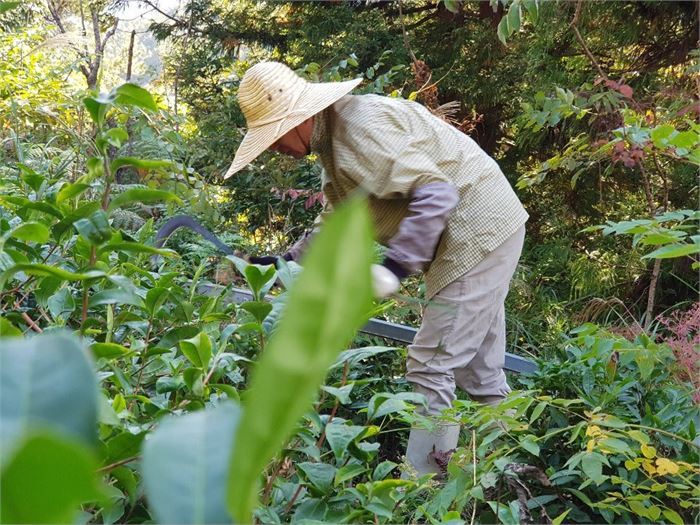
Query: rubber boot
[425, 447]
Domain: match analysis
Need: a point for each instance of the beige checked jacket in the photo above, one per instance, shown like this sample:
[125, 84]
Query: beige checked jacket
[389, 147]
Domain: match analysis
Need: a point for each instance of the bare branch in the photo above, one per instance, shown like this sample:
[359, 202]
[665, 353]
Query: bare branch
[581, 41]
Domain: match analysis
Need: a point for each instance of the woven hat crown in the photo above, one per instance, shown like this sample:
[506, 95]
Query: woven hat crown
[268, 93]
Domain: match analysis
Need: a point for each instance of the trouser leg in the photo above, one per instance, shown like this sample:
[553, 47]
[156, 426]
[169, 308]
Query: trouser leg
[461, 342]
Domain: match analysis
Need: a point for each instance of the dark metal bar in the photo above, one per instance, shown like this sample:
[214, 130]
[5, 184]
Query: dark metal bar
[380, 328]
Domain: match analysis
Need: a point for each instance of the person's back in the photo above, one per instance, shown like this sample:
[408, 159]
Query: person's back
[390, 146]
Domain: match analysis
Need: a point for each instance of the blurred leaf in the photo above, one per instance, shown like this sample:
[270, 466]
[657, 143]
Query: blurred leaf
[69, 191]
[46, 480]
[185, 465]
[144, 196]
[6, 6]
[328, 303]
[145, 164]
[46, 382]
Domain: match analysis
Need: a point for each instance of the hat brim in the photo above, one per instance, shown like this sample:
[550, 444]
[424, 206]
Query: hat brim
[315, 98]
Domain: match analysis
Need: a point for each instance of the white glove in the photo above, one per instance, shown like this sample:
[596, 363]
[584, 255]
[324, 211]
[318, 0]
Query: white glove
[384, 282]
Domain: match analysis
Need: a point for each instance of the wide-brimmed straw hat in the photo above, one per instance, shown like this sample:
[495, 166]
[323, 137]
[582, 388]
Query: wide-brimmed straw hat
[275, 100]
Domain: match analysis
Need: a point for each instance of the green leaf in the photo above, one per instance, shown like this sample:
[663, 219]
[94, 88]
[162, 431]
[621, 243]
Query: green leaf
[95, 167]
[514, 18]
[66, 223]
[46, 480]
[144, 164]
[342, 394]
[141, 195]
[638, 508]
[674, 250]
[502, 31]
[95, 228]
[108, 350]
[615, 445]
[135, 247]
[529, 444]
[46, 382]
[132, 95]
[124, 445]
[592, 465]
[340, 436]
[31, 231]
[660, 135]
[452, 5]
[45, 270]
[6, 6]
[61, 303]
[197, 349]
[319, 474]
[355, 355]
[538, 411]
[7, 329]
[673, 516]
[328, 303]
[348, 472]
[97, 108]
[685, 139]
[22, 205]
[258, 280]
[69, 191]
[116, 136]
[155, 299]
[185, 465]
[259, 309]
[559, 519]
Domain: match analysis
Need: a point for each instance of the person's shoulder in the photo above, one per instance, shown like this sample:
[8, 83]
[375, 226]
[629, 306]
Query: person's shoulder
[373, 109]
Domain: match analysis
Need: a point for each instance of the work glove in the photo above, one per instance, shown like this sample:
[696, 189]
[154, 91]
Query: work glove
[265, 260]
[386, 278]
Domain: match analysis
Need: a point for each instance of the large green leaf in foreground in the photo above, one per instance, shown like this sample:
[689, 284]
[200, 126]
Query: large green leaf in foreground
[327, 304]
[46, 382]
[185, 464]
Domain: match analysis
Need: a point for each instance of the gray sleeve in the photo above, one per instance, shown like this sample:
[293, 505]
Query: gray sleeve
[414, 245]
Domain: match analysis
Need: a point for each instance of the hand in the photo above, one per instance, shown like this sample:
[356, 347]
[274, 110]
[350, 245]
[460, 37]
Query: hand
[384, 281]
[263, 260]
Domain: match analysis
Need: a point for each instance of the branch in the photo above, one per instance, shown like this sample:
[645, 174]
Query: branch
[158, 10]
[590, 56]
[55, 16]
[405, 36]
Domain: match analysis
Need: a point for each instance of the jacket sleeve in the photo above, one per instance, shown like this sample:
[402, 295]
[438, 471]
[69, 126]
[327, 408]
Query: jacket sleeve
[414, 245]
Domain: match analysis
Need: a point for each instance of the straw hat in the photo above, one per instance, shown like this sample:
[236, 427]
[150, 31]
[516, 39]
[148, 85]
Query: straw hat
[274, 100]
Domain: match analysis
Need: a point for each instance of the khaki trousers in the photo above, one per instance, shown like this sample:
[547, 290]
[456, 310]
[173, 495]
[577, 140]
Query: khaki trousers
[462, 339]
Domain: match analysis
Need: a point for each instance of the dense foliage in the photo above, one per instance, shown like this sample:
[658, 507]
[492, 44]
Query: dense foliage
[136, 385]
